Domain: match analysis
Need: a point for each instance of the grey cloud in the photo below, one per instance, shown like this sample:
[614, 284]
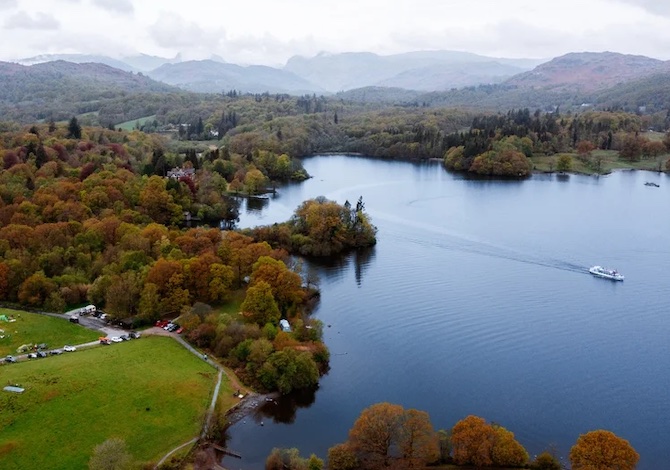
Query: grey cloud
[172, 31]
[520, 39]
[23, 20]
[657, 7]
[7, 4]
[116, 6]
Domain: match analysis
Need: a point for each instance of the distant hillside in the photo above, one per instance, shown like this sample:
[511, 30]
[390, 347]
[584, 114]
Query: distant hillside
[80, 59]
[208, 76]
[651, 94]
[588, 71]
[60, 89]
[427, 70]
[441, 77]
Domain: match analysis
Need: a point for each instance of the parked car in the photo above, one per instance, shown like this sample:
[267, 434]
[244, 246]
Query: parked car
[56, 352]
[42, 346]
[125, 337]
[116, 339]
[135, 334]
[179, 331]
[41, 354]
[32, 356]
[69, 348]
[10, 359]
[104, 340]
[162, 323]
[74, 318]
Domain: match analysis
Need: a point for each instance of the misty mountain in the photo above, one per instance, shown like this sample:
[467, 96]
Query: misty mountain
[80, 59]
[588, 71]
[208, 76]
[425, 70]
[446, 76]
[146, 63]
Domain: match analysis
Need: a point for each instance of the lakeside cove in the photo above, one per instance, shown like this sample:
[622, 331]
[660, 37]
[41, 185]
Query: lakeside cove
[444, 238]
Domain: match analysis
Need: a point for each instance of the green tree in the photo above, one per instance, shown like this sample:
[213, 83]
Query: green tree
[111, 455]
[603, 450]
[564, 163]
[546, 461]
[254, 181]
[259, 304]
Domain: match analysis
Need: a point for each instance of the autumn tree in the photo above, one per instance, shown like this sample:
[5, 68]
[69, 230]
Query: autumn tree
[342, 457]
[418, 442]
[546, 461]
[289, 459]
[375, 432]
[507, 452]
[4, 281]
[472, 439]
[585, 147]
[476, 442]
[632, 148]
[386, 434]
[286, 285]
[602, 450]
[36, 289]
[259, 304]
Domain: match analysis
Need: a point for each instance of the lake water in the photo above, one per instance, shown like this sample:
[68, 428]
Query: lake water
[477, 300]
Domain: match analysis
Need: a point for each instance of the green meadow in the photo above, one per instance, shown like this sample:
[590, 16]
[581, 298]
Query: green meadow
[31, 328]
[150, 392]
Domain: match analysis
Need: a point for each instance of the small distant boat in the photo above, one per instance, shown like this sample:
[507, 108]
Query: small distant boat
[612, 274]
[649, 183]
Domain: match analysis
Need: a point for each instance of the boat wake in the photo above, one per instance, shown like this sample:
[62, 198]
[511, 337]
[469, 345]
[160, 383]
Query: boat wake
[461, 243]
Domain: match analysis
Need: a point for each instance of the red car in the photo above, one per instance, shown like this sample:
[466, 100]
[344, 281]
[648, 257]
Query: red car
[162, 323]
[179, 331]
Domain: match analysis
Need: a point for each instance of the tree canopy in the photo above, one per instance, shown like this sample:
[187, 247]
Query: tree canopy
[603, 450]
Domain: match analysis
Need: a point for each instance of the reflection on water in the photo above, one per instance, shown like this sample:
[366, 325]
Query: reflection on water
[477, 300]
[284, 408]
[256, 204]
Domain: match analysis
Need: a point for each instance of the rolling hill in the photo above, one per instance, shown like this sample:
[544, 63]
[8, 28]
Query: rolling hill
[208, 76]
[426, 70]
[61, 89]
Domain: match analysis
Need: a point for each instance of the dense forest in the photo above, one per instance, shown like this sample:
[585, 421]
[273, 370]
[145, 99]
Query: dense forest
[100, 216]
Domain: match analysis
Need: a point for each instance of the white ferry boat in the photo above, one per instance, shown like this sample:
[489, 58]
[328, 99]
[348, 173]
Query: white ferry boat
[612, 274]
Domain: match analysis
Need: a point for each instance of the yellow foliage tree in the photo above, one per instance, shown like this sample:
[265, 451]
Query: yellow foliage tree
[603, 450]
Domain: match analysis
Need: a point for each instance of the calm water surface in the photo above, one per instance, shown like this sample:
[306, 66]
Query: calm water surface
[477, 300]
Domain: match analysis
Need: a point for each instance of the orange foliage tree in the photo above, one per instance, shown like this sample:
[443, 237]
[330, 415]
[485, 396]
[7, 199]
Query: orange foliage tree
[476, 442]
[386, 434]
[602, 450]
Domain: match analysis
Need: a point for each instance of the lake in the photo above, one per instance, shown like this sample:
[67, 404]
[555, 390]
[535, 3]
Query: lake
[477, 300]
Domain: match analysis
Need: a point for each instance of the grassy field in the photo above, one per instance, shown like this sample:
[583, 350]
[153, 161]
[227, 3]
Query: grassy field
[34, 328]
[130, 125]
[609, 161]
[232, 307]
[150, 392]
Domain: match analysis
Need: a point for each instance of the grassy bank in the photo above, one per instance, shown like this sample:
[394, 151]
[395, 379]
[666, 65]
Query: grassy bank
[150, 392]
[31, 328]
[600, 162]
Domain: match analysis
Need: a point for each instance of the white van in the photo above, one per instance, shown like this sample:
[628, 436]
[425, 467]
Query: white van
[87, 310]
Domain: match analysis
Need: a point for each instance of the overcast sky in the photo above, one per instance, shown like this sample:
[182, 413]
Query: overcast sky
[271, 31]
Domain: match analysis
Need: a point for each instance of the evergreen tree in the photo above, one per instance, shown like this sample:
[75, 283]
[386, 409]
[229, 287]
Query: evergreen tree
[74, 129]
